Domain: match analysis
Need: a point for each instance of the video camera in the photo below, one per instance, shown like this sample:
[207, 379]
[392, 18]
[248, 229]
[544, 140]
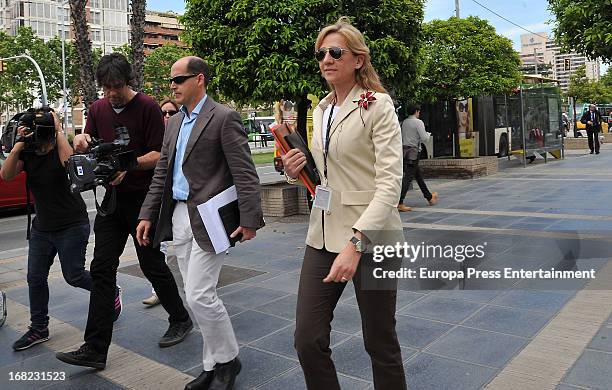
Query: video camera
[40, 129]
[104, 160]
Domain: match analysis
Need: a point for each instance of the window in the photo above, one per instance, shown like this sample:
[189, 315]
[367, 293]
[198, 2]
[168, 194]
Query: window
[96, 17]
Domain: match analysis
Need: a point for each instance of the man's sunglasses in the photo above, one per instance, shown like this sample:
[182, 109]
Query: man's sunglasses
[181, 79]
[169, 112]
[334, 52]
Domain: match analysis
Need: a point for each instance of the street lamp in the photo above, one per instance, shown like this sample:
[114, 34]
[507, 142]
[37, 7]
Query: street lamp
[65, 93]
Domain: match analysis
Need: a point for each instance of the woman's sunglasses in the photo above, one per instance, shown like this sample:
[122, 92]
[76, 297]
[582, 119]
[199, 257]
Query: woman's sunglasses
[463, 107]
[169, 112]
[334, 52]
[181, 79]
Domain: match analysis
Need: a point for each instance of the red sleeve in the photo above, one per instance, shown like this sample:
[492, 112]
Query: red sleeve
[154, 128]
[90, 123]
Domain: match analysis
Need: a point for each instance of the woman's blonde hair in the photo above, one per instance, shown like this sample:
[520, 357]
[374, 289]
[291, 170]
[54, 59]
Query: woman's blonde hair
[366, 76]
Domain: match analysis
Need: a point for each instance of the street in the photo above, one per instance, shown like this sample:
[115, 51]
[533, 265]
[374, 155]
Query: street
[498, 333]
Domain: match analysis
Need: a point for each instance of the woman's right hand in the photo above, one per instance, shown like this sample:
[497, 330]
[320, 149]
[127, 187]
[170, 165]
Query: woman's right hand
[293, 162]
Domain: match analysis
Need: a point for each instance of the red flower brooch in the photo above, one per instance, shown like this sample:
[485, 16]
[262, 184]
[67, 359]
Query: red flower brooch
[364, 102]
[365, 99]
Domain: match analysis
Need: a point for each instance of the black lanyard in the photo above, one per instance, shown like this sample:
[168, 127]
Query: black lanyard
[327, 138]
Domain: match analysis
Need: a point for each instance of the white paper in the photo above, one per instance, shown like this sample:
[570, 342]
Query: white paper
[209, 211]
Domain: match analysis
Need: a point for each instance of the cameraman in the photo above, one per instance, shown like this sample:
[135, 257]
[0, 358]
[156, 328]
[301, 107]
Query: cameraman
[61, 225]
[122, 106]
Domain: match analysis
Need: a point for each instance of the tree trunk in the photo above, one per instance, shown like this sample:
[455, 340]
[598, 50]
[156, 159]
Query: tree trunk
[78, 14]
[137, 38]
[303, 104]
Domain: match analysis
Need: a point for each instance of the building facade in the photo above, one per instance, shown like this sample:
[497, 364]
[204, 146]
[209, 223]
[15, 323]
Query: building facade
[109, 20]
[537, 47]
[162, 28]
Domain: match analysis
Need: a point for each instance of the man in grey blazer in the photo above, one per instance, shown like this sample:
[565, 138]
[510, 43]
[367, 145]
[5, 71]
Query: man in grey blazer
[205, 151]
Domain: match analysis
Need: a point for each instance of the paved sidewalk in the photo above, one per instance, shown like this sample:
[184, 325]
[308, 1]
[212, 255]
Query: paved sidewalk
[503, 335]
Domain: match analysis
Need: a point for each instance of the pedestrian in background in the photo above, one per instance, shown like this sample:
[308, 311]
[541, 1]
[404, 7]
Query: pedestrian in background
[168, 108]
[592, 120]
[413, 135]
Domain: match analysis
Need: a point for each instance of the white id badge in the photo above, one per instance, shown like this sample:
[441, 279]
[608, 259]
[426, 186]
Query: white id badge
[322, 198]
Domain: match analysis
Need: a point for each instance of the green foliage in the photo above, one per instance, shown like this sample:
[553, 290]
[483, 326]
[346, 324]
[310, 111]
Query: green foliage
[606, 79]
[21, 82]
[584, 26]
[21, 78]
[589, 91]
[466, 57]
[262, 51]
[157, 70]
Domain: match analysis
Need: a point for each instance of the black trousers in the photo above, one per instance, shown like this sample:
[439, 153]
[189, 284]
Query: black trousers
[112, 233]
[315, 311]
[593, 136]
[412, 171]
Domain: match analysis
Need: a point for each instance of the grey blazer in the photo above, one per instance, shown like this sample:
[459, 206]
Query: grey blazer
[217, 156]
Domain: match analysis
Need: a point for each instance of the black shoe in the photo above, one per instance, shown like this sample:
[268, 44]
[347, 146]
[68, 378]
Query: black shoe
[84, 356]
[177, 331]
[202, 382]
[225, 375]
[597, 152]
[31, 338]
[591, 152]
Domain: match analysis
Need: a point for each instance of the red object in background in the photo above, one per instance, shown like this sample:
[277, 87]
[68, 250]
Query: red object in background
[13, 193]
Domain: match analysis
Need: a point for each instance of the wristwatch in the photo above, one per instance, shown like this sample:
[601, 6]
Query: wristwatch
[290, 180]
[359, 244]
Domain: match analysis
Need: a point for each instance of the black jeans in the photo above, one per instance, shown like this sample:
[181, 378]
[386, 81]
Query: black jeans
[314, 313]
[112, 233]
[593, 136]
[412, 170]
[70, 244]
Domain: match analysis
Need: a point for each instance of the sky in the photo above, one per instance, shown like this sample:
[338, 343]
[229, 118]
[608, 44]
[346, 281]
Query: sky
[531, 14]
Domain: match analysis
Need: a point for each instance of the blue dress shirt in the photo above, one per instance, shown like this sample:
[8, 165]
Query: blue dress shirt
[180, 187]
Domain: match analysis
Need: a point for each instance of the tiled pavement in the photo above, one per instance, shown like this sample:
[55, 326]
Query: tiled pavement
[530, 217]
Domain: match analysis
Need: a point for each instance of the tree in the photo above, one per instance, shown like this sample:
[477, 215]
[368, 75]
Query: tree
[588, 91]
[465, 58]
[20, 82]
[262, 51]
[137, 35]
[606, 79]
[157, 70]
[88, 89]
[584, 26]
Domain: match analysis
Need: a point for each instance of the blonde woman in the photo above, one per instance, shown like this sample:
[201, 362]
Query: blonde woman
[357, 148]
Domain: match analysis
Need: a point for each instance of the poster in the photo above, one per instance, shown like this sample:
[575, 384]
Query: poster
[465, 128]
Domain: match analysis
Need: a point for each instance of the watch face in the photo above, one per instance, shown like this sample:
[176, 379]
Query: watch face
[359, 246]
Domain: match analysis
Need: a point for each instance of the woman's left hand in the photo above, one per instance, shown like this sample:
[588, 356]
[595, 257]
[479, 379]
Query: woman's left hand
[344, 266]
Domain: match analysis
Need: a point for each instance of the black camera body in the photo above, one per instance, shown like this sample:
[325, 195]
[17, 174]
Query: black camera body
[40, 129]
[104, 160]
